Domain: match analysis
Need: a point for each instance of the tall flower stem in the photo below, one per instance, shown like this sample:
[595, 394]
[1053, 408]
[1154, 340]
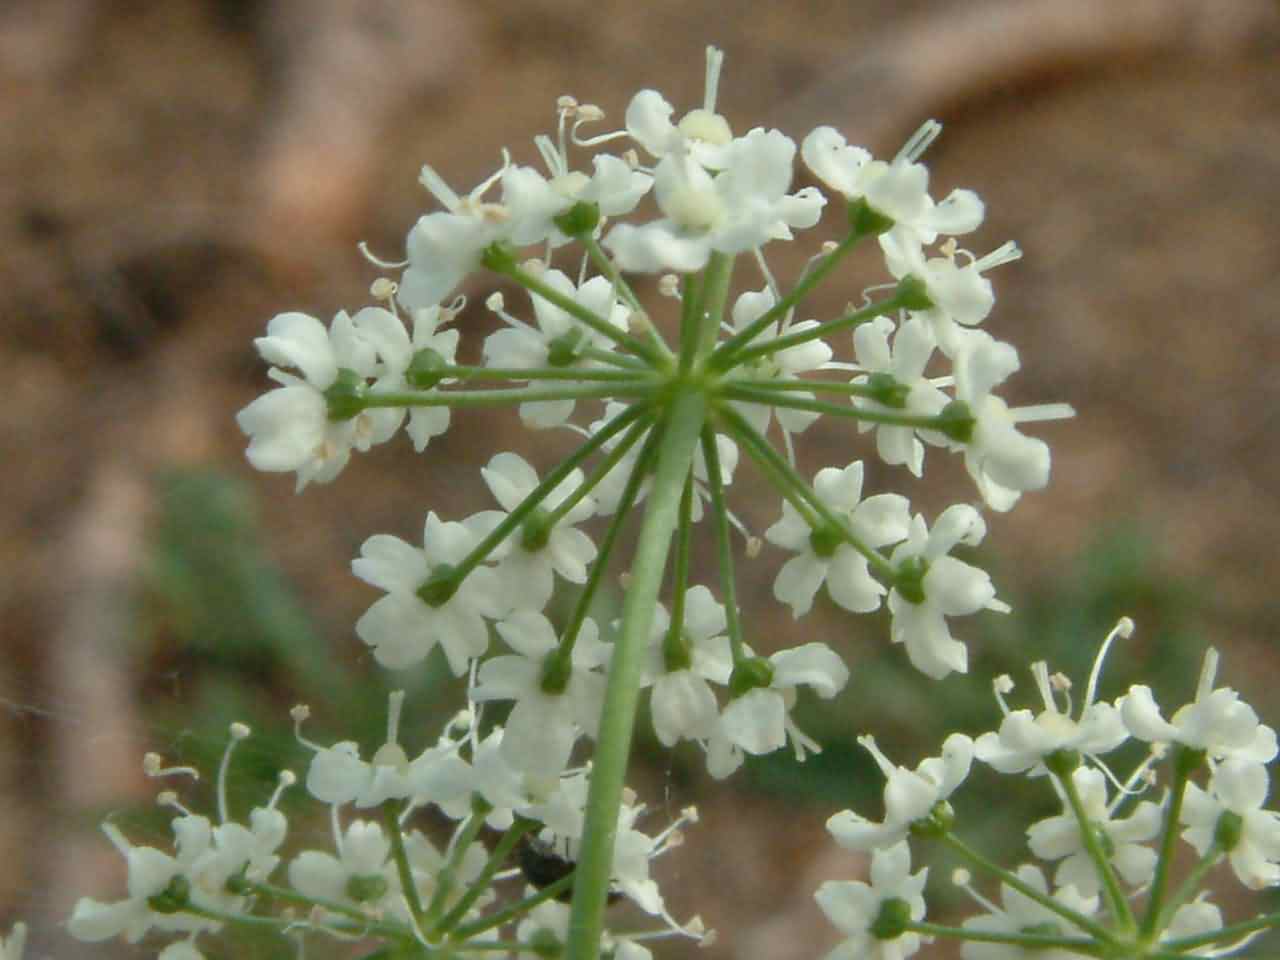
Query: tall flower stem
[681, 427]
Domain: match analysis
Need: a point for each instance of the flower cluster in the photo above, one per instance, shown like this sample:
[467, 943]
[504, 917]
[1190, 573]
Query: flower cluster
[381, 876]
[662, 413]
[1106, 851]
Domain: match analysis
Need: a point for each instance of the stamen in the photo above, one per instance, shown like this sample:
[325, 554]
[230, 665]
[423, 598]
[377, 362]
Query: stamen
[1123, 628]
[1208, 674]
[964, 880]
[239, 731]
[1005, 253]
[284, 780]
[918, 142]
[394, 704]
[436, 186]
[152, 766]
[555, 159]
[868, 743]
[769, 280]
[1040, 670]
[1001, 686]
[365, 252]
[1042, 411]
[117, 838]
[300, 714]
[715, 62]
[167, 798]
[384, 290]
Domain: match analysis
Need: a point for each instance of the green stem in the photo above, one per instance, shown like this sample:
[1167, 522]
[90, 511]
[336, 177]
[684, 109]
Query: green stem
[621, 360]
[391, 818]
[480, 885]
[610, 271]
[724, 546]
[821, 331]
[601, 563]
[1096, 930]
[722, 359]
[446, 878]
[511, 522]
[795, 493]
[679, 436]
[760, 450]
[1117, 903]
[506, 397]
[285, 895]
[1031, 941]
[842, 387]
[1182, 770]
[680, 573]
[711, 303]
[1190, 885]
[536, 373]
[754, 392]
[510, 912]
[690, 311]
[599, 472]
[1230, 932]
[576, 310]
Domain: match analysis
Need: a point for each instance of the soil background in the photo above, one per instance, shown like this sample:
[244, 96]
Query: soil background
[174, 173]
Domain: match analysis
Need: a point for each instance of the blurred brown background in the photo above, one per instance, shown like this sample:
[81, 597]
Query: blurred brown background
[173, 173]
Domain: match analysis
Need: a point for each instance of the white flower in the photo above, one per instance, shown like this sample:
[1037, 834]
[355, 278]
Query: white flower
[402, 627]
[785, 364]
[855, 907]
[526, 566]
[1022, 914]
[289, 428]
[361, 875]
[1003, 462]
[948, 588]
[534, 202]
[824, 556]
[1059, 837]
[1025, 739]
[558, 340]
[960, 293]
[150, 873]
[491, 777]
[905, 363]
[1217, 721]
[741, 207]
[899, 190]
[759, 720]
[909, 795]
[543, 726]
[443, 247]
[337, 775]
[397, 351]
[682, 669]
[1238, 787]
[702, 131]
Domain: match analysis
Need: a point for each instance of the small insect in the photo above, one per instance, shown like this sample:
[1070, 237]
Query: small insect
[542, 866]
